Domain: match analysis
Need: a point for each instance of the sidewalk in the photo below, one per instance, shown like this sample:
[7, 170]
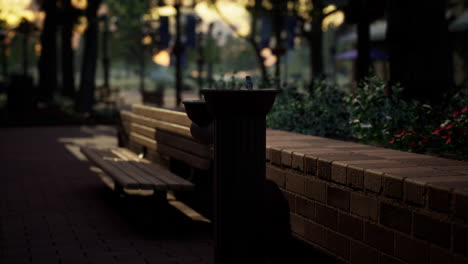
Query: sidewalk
[54, 209]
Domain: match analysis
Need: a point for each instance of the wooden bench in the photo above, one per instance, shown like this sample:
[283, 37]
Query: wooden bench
[152, 141]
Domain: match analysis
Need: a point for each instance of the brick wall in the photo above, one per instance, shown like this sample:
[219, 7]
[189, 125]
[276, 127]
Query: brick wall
[343, 205]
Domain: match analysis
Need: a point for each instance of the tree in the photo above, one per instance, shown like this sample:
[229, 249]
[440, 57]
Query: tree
[48, 58]
[362, 13]
[69, 16]
[419, 51]
[312, 14]
[88, 67]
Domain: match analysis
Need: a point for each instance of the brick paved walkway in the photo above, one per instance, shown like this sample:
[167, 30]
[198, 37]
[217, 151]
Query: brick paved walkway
[53, 209]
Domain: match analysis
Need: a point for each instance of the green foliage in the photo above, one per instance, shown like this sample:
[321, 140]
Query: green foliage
[371, 116]
[322, 113]
[374, 116]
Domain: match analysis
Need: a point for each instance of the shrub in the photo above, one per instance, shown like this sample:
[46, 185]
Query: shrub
[371, 116]
[322, 113]
[375, 116]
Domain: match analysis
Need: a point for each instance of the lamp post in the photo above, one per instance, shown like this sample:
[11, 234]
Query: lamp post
[4, 58]
[178, 52]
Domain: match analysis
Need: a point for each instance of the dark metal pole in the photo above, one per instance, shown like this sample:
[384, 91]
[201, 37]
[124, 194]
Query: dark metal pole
[178, 50]
[200, 63]
[4, 56]
[105, 51]
[25, 49]
[142, 69]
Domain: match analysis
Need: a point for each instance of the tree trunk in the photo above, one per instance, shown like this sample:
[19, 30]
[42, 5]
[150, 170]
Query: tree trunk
[419, 51]
[88, 68]
[68, 71]
[363, 62]
[315, 39]
[47, 60]
[4, 60]
[260, 60]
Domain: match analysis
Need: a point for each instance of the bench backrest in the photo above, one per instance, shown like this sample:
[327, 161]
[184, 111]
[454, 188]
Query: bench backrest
[163, 134]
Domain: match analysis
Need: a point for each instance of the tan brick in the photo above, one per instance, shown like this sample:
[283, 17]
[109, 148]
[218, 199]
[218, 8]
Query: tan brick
[276, 175]
[295, 183]
[461, 205]
[324, 169]
[326, 216]
[305, 207]
[338, 198]
[315, 233]
[267, 153]
[291, 198]
[395, 217]
[431, 229]
[414, 192]
[338, 172]
[379, 237]
[364, 206]
[338, 244]
[373, 181]
[286, 158]
[440, 198]
[439, 255]
[459, 259]
[355, 177]
[362, 254]
[411, 250]
[297, 224]
[316, 190]
[310, 165]
[460, 241]
[350, 226]
[393, 186]
[275, 155]
[297, 161]
[386, 259]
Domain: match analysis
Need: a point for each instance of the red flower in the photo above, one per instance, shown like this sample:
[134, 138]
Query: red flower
[402, 133]
[437, 131]
[411, 131]
[455, 113]
[392, 141]
[464, 110]
[449, 139]
[450, 126]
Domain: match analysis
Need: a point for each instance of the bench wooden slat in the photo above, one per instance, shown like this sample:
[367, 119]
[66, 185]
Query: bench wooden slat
[121, 178]
[190, 159]
[157, 124]
[183, 143]
[174, 181]
[128, 169]
[157, 183]
[142, 140]
[143, 130]
[126, 116]
[169, 116]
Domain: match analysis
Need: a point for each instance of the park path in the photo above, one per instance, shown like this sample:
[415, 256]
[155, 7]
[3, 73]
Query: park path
[53, 208]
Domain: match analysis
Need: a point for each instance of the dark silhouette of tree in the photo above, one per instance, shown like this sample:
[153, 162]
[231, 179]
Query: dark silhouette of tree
[256, 11]
[362, 13]
[88, 67]
[311, 28]
[419, 50]
[69, 16]
[47, 60]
